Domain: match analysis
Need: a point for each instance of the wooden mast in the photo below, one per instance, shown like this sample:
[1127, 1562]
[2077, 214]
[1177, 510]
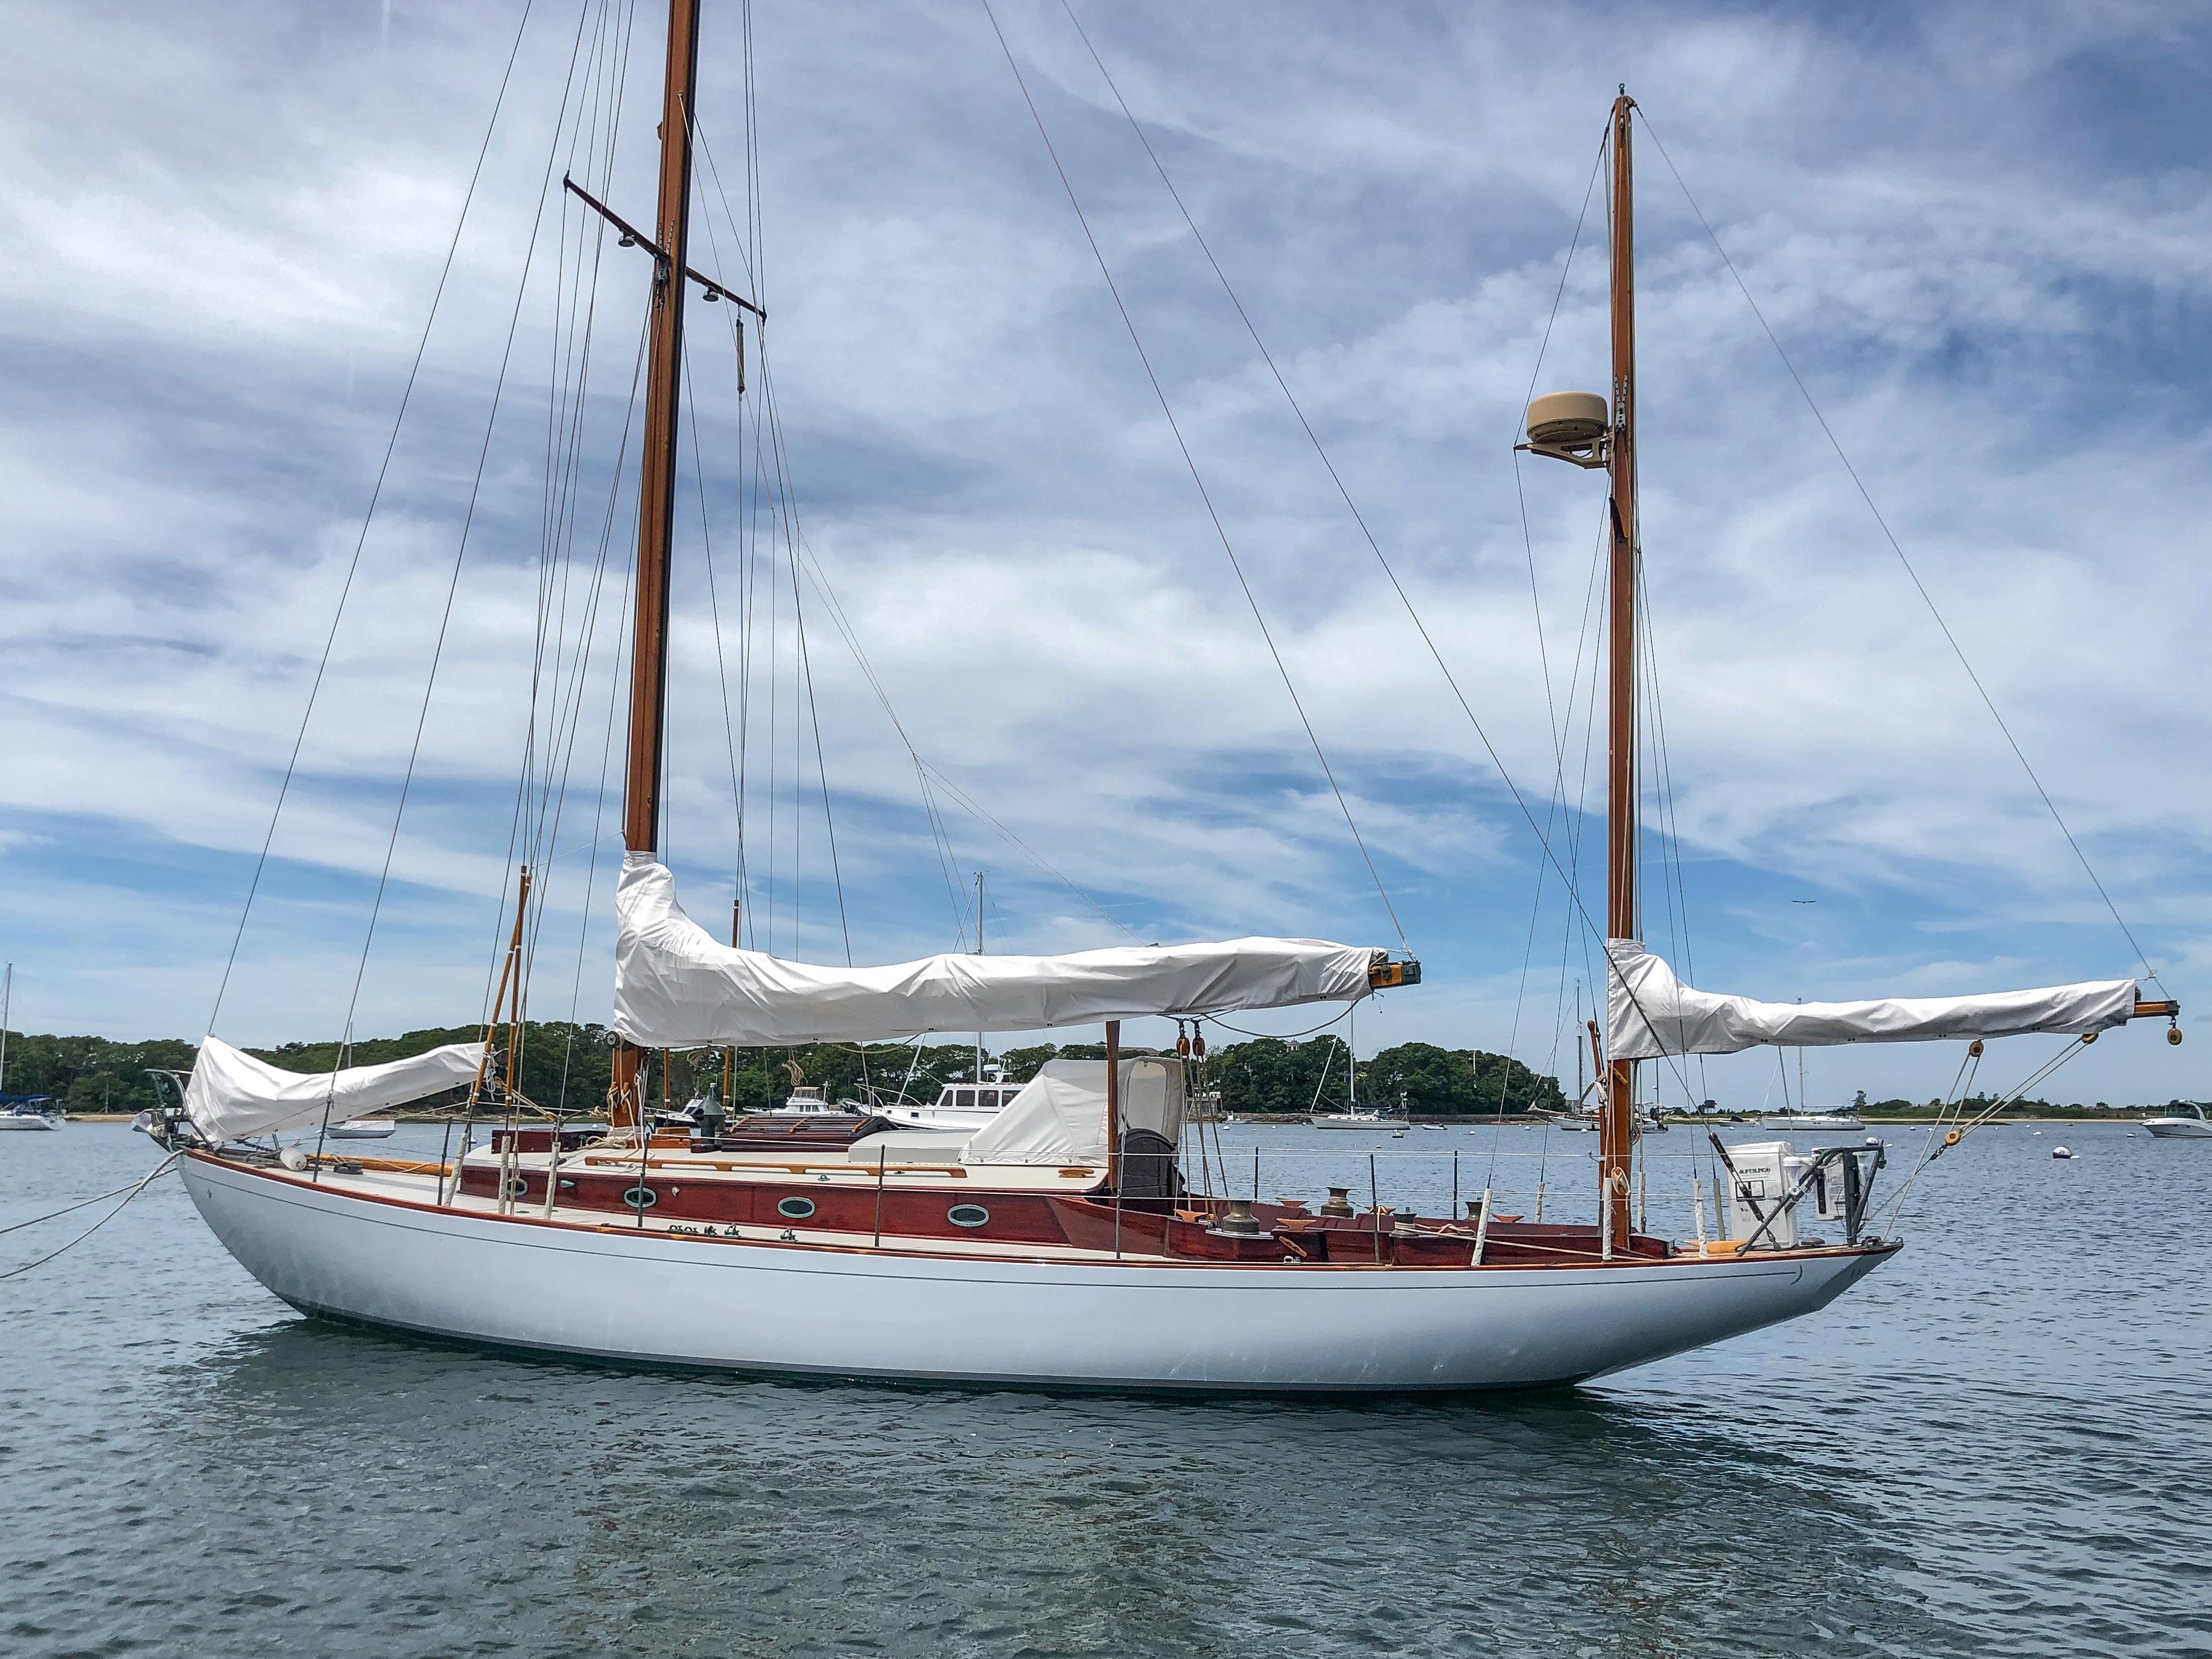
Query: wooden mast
[656, 496]
[1622, 918]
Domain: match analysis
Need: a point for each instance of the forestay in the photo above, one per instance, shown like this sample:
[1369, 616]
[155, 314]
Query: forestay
[1650, 1013]
[233, 1095]
[676, 987]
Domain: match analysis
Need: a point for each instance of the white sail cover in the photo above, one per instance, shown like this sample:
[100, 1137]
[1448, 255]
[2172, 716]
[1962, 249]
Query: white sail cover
[233, 1095]
[676, 987]
[1650, 1013]
[1060, 1115]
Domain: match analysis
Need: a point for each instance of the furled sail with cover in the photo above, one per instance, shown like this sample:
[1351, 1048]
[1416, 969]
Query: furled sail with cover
[1650, 1013]
[676, 987]
[233, 1095]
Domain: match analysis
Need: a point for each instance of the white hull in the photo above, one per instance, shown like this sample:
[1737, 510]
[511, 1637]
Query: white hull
[1812, 1123]
[27, 1120]
[1355, 1124]
[362, 1128]
[643, 1295]
[2179, 1129]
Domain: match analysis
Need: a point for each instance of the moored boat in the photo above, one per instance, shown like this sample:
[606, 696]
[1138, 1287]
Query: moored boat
[2185, 1121]
[1814, 1122]
[31, 1112]
[1064, 1241]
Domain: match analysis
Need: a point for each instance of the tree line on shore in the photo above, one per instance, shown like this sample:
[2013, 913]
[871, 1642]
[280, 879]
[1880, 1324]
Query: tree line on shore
[566, 1068]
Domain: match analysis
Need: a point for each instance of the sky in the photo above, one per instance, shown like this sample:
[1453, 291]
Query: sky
[1980, 235]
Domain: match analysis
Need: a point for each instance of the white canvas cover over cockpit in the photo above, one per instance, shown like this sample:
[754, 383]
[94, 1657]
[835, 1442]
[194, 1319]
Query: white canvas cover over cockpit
[1060, 1115]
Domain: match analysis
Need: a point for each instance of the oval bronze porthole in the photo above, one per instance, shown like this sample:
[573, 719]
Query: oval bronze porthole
[796, 1208]
[640, 1198]
[967, 1215]
[519, 1187]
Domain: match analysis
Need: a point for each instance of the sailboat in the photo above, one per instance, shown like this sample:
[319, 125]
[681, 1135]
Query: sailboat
[1061, 1245]
[21, 1111]
[1357, 1113]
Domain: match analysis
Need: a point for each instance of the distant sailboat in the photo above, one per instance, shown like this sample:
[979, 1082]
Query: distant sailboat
[19, 1112]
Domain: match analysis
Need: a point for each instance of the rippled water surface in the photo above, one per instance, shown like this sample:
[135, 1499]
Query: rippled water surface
[2000, 1444]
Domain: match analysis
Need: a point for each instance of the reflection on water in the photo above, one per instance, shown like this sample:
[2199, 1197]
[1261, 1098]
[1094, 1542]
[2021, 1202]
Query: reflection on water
[1933, 1468]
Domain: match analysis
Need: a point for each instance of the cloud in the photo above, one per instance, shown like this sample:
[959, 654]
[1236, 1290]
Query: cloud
[1995, 287]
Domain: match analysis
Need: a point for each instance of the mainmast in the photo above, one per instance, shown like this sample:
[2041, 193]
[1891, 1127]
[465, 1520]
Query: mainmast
[656, 494]
[1622, 920]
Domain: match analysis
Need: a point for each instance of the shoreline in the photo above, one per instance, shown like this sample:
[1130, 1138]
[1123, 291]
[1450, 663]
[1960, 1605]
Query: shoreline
[1510, 1120]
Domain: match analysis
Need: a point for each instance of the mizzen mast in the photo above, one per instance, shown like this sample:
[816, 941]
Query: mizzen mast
[1623, 920]
[656, 496]
[1587, 431]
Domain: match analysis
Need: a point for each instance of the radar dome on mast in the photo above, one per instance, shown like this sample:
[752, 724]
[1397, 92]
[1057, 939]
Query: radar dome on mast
[1569, 426]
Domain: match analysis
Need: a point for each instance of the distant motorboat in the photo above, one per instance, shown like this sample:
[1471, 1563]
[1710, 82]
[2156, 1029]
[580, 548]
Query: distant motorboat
[1814, 1122]
[2175, 1127]
[362, 1128]
[961, 1106]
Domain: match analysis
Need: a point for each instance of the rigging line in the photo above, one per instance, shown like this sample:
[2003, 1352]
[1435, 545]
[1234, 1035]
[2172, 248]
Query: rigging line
[736, 770]
[940, 837]
[968, 804]
[1287, 1036]
[1527, 541]
[375, 495]
[1489, 748]
[1894, 1211]
[1652, 826]
[68, 1209]
[1584, 643]
[1236, 565]
[599, 817]
[1314, 438]
[161, 1168]
[822, 776]
[1671, 844]
[714, 602]
[557, 572]
[1289, 397]
[560, 478]
[1934, 1138]
[1554, 809]
[524, 819]
[745, 253]
[1949, 638]
[546, 848]
[453, 587]
[577, 365]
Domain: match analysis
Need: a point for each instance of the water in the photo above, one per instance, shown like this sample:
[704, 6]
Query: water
[1998, 1444]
